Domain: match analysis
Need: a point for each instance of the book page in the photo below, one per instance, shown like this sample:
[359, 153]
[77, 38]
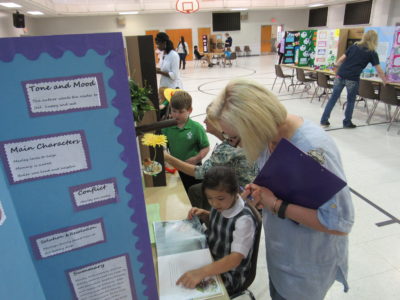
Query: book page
[172, 267]
[173, 237]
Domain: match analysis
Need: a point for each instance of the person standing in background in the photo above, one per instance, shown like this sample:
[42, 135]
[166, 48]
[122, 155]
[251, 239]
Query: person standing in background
[169, 67]
[281, 50]
[350, 65]
[228, 41]
[183, 51]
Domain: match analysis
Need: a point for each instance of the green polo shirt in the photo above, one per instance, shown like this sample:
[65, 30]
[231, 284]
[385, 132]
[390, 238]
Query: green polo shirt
[186, 142]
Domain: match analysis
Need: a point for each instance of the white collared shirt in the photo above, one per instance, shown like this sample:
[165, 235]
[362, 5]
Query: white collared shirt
[243, 236]
[170, 64]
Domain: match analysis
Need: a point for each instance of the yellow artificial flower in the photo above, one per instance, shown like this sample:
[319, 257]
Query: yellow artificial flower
[154, 140]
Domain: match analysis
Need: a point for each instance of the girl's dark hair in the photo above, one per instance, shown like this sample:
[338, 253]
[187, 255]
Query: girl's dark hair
[183, 43]
[220, 178]
[163, 37]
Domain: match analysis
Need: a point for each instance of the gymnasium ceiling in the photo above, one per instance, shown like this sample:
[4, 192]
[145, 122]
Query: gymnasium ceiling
[52, 8]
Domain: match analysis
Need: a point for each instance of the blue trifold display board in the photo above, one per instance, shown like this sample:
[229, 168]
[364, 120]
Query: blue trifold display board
[72, 213]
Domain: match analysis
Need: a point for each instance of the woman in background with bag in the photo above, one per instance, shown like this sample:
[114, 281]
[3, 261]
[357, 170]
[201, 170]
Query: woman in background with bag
[182, 50]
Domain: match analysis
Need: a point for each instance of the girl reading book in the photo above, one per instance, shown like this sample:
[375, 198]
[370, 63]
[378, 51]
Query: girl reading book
[230, 234]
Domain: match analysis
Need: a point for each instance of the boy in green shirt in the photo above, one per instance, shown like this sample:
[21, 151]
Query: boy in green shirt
[188, 139]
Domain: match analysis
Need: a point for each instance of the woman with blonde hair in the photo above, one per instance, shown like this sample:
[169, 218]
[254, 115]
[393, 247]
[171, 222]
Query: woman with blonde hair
[307, 249]
[350, 67]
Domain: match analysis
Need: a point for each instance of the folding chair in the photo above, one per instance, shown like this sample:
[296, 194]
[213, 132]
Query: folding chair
[387, 95]
[366, 91]
[247, 50]
[279, 73]
[253, 269]
[322, 82]
[301, 79]
[238, 51]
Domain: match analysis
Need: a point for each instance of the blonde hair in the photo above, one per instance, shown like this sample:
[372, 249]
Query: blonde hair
[369, 40]
[181, 100]
[211, 119]
[253, 111]
[161, 96]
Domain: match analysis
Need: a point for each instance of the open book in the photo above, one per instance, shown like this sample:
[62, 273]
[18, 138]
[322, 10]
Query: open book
[181, 247]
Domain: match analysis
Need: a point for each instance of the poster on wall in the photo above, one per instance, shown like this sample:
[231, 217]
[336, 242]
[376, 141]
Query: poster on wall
[71, 170]
[326, 48]
[291, 43]
[306, 49]
[393, 67]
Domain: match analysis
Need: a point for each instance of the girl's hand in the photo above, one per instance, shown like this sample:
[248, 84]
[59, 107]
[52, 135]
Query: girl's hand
[263, 197]
[195, 211]
[191, 278]
[192, 160]
[167, 156]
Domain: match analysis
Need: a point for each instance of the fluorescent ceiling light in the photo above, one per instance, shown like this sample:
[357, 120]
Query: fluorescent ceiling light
[36, 13]
[129, 13]
[10, 4]
[316, 5]
[239, 9]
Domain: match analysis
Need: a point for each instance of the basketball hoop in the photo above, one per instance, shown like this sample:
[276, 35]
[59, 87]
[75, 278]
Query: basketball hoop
[187, 6]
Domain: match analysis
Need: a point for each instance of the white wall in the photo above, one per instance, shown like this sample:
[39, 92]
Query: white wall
[394, 14]
[7, 28]
[250, 33]
[384, 12]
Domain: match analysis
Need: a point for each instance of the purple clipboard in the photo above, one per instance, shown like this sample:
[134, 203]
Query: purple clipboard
[297, 178]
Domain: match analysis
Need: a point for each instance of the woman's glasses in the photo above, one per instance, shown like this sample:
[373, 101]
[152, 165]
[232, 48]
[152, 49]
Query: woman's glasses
[232, 140]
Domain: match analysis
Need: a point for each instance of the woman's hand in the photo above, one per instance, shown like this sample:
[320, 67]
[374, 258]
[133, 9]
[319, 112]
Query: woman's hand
[262, 197]
[191, 278]
[195, 211]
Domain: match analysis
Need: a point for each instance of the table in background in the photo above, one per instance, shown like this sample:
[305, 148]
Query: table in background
[376, 80]
[218, 56]
[174, 205]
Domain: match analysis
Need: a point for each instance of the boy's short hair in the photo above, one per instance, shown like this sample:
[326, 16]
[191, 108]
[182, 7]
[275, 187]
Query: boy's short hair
[181, 100]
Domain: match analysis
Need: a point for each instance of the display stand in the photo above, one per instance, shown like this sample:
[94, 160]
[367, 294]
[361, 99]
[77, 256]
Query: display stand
[70, 181]
[142, 69]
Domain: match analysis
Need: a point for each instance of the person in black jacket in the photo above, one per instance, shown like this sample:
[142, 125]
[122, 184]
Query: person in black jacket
[228, 41]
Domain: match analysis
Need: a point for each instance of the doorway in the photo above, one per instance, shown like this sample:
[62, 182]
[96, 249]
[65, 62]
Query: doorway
[154, 34]
[266, 39]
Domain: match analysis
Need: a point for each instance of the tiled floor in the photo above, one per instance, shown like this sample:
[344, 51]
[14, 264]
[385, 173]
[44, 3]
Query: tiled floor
[371, 158]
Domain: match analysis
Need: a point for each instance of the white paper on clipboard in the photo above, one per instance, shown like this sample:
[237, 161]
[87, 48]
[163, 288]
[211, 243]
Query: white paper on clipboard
[2, 215]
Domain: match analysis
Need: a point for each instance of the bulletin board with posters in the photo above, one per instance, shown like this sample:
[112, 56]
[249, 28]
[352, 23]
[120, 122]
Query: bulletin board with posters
[393, 67]
[306, 50]
[326, 48]
[72, 200]
[291, 43]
